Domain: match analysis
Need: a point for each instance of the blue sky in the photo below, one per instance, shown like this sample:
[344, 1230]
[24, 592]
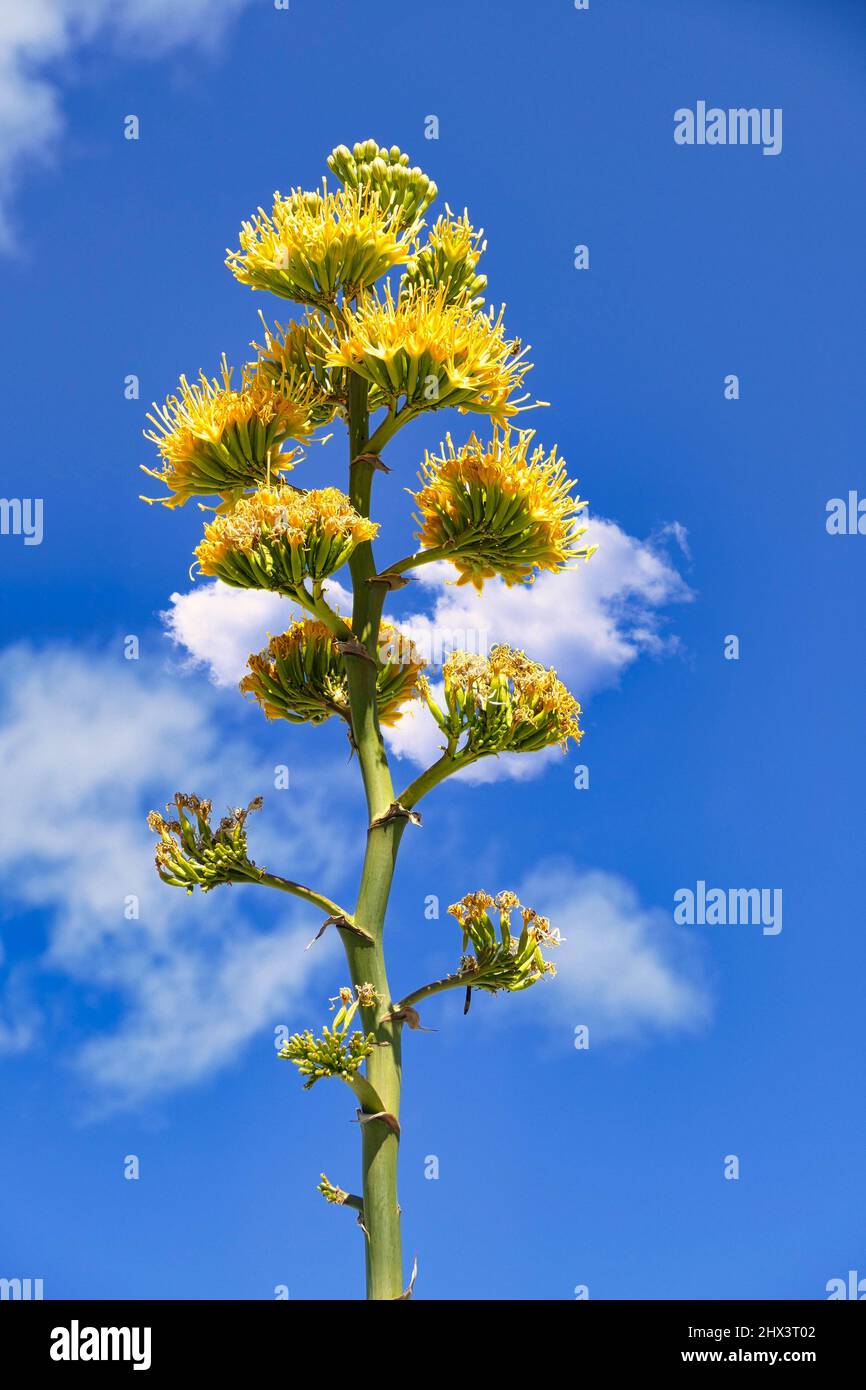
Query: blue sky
[154, 1037]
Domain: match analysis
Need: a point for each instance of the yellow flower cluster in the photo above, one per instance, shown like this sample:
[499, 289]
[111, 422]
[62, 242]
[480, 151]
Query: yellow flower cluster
[505, 703]
[497, 509]
[500, 960]
[449, 258]
[315, 246]
[301, 676]
[278, 537]
[430, 353]
[217, 441]
[295, 353]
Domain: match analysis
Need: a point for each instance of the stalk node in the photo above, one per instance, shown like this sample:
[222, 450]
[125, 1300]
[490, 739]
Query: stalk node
[373, 459]
[343, 923]
[352, 647]
[407, 1292]
[390, 581]
[384, 1115]
[394, 812]
[404, 1013]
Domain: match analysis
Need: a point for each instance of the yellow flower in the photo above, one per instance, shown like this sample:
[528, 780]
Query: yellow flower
[214, 440]
[316, 245]
[430, 353]
[505, 704]
[497, 509]
[449, 258]
[301, 676]
[502, 961]
[403, 193]
[294, 354]
[278, 537]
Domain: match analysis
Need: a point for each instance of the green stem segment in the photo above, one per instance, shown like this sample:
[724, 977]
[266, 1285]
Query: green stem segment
[442, 768]
[309, 895]
[437, 987]
[380, 1144]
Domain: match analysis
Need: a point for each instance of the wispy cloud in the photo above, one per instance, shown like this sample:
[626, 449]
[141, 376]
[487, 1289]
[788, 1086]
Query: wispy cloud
[89, 744]
[623, 969]
[40, 39]
[591, 622]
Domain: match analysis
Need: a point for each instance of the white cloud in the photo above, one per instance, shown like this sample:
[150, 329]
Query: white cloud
[218, 626]
[89, 744]
[38, 38]
[590, 623]
[623, 969]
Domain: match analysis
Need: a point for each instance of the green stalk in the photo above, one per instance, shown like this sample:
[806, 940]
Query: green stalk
[426, 781]
[285, 885]
[380, 1146]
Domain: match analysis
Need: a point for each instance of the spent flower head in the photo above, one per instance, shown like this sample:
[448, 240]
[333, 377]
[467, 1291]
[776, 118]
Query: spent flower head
[302, 677]
[498, 509]
[190, 853]
[278, 537]
[502, 961]
[216, 440]
[504, 703]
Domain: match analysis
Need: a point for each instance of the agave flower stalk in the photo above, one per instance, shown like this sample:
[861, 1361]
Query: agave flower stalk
[373, 355]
